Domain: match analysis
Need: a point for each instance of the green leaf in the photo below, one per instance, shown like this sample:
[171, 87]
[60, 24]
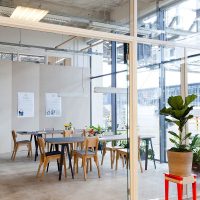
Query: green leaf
[174, 141]
[174, 134]
[166, 111]
[186, 136]
[194, 142]
[173, 121]
[189, 99]
[176, 102]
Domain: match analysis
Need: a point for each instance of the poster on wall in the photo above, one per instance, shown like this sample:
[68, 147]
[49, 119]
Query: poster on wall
[25, 104]
[53, 105]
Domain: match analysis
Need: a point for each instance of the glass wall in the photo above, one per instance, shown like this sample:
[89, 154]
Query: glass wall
[193, 65]
[159, 76]
[109, 89]
[169, 21]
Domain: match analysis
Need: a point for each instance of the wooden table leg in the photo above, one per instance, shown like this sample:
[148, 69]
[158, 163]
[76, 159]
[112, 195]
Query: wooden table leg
[70, 162]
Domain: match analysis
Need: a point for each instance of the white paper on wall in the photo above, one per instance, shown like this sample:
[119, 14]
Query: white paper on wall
[25, 104]
[53, 105]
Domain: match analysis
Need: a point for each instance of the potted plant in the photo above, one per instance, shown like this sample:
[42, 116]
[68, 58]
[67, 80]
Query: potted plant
[180, 155]
[68, 126]
[97, 129]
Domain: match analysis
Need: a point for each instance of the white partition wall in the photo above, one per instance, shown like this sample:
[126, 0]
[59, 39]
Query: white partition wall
[25, 78]
[72, 84]
[5, 106]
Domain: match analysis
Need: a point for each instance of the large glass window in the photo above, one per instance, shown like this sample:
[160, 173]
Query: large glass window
[193, 65]
[159, 76]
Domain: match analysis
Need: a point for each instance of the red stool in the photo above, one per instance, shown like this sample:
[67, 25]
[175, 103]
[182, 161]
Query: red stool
[180, 181]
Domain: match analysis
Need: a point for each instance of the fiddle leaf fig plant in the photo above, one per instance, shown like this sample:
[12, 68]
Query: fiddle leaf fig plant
[178, 113]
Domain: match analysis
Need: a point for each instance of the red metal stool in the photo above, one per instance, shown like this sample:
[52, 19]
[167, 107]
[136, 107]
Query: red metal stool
[180, 181]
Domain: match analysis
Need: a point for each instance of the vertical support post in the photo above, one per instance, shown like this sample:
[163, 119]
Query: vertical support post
[162, 127]
[113, 84]
[133, 120]
[90, 63]
[184, 82]
[133, 99]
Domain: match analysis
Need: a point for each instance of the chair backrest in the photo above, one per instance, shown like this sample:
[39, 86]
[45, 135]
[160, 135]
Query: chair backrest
[91, 143]
[67, 133]
[84, 133]
[41, 145]
[14, 136]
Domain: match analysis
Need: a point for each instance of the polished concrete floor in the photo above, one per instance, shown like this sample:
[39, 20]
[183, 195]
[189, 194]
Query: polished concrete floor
[18, 182]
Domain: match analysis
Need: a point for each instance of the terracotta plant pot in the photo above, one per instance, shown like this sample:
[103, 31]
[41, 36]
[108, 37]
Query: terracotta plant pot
[180, 163]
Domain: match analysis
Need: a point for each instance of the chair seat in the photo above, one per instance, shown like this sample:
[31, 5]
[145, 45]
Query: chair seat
[82, 152]
[52, 153]
[113, 147]
[23, 141]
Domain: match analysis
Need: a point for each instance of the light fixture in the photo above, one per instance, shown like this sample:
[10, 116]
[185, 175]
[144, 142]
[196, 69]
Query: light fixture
[110, 90]
[28, 14]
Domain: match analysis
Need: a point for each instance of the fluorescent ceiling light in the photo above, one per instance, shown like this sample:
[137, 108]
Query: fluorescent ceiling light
[28, 14]
[110, 90]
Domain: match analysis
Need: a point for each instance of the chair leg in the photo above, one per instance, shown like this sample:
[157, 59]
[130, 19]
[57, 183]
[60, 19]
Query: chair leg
[65, 167]
[97, 164]
[44, 167]
[74, 167]
[140, 162]
[13, 152]
[122, 160]
[40, 165]
[111, 158]
[31, 153]
[90, 164]
[84, 167]
[117, 158]
[103, 154]
[77, 165]
[16, 148]
[87, 161]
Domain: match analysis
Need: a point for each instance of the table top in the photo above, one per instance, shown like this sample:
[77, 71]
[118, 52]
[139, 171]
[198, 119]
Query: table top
[112, 137]
[39, 132]
[122, 137]
[65, 140]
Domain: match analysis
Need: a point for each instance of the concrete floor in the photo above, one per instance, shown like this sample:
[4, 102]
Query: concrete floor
[18, 182]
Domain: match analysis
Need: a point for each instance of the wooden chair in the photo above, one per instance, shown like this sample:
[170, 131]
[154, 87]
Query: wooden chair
[112, 151]
[88, 152]
[46, 157]
[123, 153]
[20, 143]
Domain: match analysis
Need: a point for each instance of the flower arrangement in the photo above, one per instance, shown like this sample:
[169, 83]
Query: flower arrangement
[68, 126]
[91, 131]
